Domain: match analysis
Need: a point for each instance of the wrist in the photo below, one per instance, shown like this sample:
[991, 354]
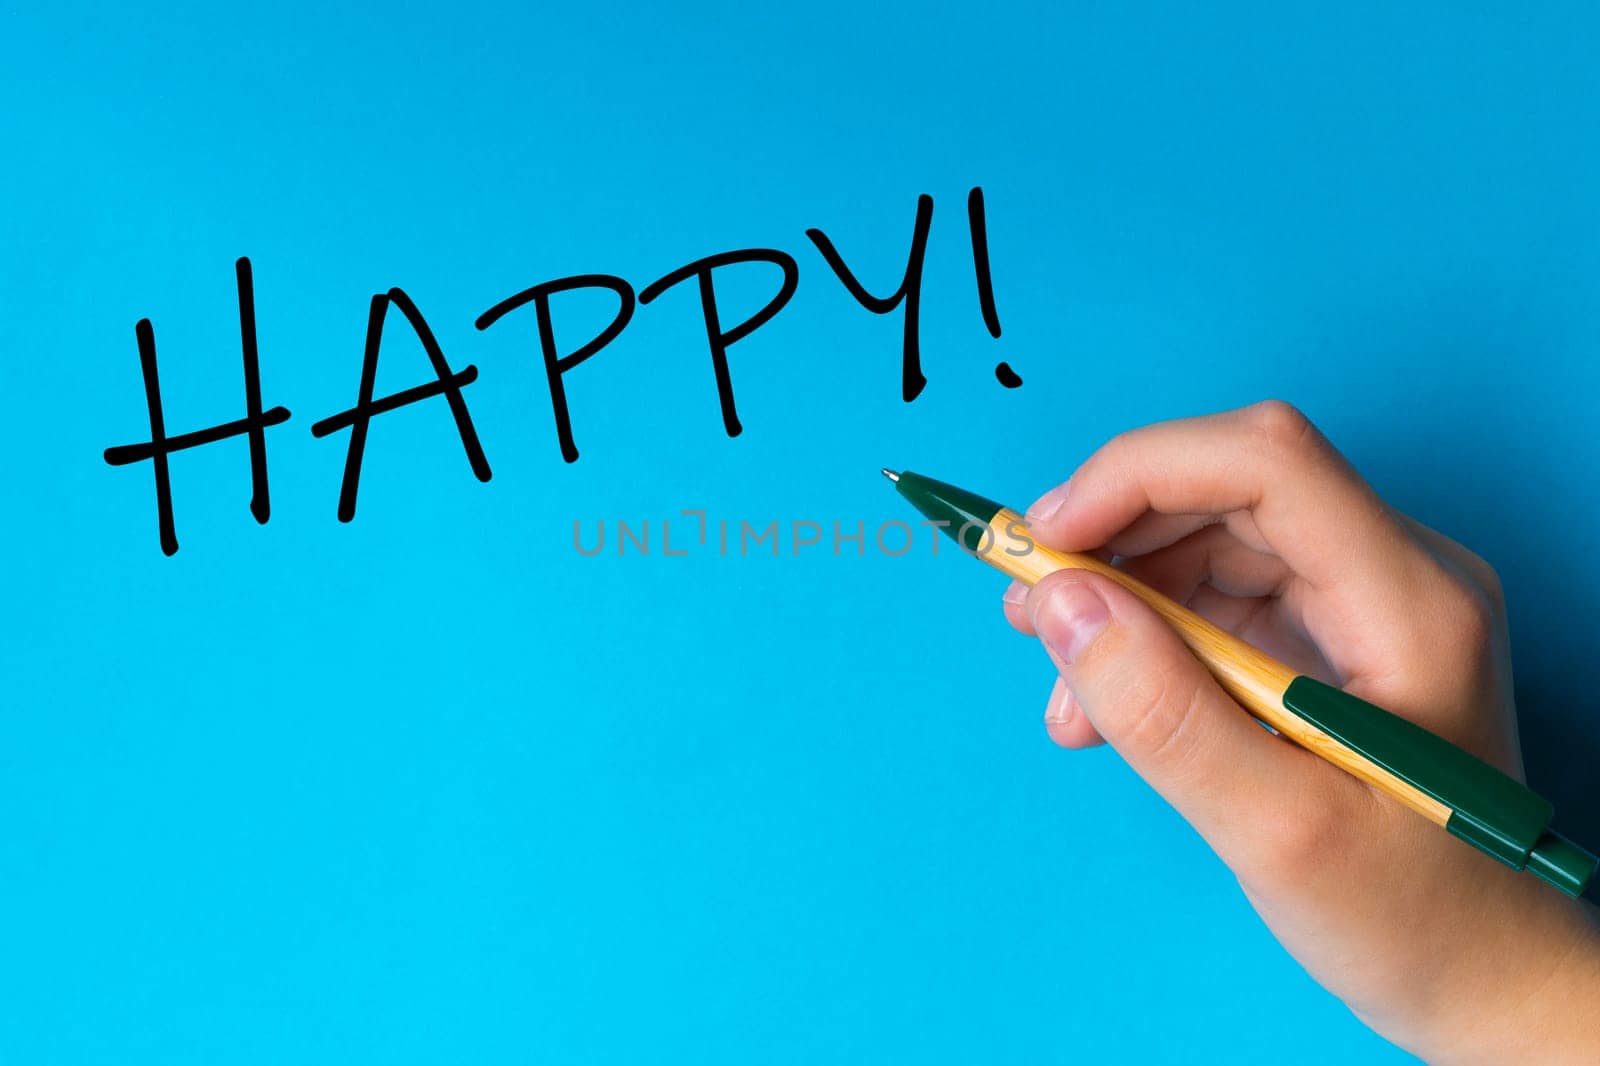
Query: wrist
[1541, 1004]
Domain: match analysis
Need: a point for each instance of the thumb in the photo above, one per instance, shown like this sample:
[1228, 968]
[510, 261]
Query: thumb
[1154, 702]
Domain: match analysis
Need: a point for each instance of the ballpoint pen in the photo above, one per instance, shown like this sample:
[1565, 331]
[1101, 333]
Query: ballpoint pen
[1450, 787]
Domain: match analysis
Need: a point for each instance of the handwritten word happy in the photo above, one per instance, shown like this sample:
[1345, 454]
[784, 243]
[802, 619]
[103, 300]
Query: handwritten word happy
[449, 384]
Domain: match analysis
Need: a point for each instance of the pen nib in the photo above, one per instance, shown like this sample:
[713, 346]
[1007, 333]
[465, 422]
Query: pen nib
[890, 474]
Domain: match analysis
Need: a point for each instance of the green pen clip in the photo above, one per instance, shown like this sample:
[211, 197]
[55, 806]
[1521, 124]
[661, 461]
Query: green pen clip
[1489, 809]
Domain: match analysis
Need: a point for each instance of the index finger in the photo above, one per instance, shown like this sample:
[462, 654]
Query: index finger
[1305, 502]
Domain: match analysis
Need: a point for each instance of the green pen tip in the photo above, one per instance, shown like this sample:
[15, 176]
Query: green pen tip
[890, 474]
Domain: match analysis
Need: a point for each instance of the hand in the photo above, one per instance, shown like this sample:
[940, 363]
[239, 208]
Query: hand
[1256, 522]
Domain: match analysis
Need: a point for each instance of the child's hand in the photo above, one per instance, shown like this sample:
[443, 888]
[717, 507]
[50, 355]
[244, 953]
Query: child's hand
[1256, 522]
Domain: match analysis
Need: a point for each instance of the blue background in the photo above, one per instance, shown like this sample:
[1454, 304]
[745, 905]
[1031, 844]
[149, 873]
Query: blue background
[431, 787]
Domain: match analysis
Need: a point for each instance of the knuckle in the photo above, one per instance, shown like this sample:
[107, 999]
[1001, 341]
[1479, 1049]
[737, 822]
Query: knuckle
[1470, 614]
[1453, 639]
[1116, 451]
[1290, 848]
[1159, 719]
[1464, 612]
[1493, 591]
[1281, 424]
[1473, 569]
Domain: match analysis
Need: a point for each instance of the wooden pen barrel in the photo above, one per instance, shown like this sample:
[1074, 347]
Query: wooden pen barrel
[1252, 677]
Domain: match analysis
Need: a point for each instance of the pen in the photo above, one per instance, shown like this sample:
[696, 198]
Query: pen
[1450, 787]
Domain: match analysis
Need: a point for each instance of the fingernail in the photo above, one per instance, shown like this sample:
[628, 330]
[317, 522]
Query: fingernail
[1059, 710]
[1047, 505]
[1068, 616]
[1016, 594]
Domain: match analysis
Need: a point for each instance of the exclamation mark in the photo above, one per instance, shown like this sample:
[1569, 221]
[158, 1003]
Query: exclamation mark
[980, 263]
